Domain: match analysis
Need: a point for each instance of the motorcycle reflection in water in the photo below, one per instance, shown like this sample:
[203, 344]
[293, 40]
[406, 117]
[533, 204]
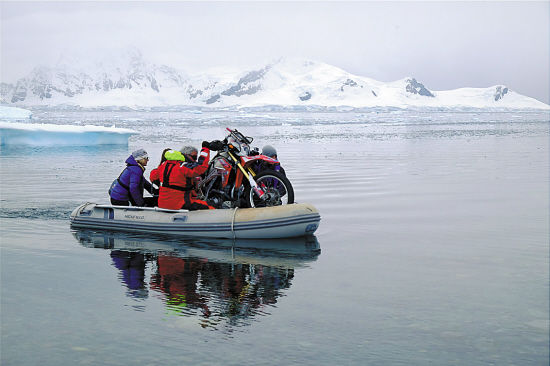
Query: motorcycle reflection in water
[215, 280]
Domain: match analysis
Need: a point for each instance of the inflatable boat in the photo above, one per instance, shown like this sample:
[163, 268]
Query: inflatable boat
[284, 221]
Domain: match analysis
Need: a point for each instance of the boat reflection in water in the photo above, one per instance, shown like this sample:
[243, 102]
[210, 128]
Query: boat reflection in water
[216, 280]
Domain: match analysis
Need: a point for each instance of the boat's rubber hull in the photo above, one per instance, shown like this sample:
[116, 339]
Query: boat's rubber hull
[253, 223]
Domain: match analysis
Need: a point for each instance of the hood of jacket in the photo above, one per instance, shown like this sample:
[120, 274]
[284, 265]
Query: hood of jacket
[131, 161]
[174, 155]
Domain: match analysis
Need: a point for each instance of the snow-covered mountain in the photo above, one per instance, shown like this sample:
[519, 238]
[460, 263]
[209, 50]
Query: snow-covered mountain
[128, 80]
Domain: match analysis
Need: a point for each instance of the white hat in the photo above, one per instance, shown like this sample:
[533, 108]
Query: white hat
[140, 154]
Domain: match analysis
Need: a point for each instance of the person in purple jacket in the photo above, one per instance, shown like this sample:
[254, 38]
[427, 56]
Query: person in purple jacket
[128, 188]
[270, 151]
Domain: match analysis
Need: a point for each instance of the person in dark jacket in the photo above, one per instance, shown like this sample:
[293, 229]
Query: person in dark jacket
[128, 188]
[270, 151]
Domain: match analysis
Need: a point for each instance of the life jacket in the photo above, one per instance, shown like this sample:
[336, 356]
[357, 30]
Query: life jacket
[176, 180]
[165, 178]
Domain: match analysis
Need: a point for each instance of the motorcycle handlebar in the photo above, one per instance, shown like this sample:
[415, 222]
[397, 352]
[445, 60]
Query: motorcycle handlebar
[239, 136]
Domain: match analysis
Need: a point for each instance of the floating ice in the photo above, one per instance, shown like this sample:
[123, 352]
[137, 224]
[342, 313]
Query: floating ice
[14, 114]
[13, 133]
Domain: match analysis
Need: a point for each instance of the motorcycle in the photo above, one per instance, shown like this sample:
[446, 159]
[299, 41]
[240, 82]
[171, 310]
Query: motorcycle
[239, 176]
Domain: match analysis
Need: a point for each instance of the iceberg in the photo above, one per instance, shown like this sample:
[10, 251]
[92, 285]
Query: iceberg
[14, 113]
[14, 133]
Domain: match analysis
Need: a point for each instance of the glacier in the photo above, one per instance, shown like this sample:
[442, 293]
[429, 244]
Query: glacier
[15, 133]
[128, 81]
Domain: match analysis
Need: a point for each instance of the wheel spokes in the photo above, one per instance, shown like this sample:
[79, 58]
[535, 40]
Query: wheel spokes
[275, 189]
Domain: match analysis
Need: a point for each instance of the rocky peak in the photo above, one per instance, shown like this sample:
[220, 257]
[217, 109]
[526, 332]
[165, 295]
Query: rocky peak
[348, 82]
[305, 96]
[68, 77]
[500, 91]
[414, 87]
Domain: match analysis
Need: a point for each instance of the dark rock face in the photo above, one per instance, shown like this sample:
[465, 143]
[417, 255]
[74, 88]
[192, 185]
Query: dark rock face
[107, 85]
[205, 91]
[247, 84]
[213, 99]
[6, 91]
[238, 90]
[120, 84]
[154, 84]
[305, 96]
[500, 92]
[414, 87]
[348, 82]
[19, 93]
[193, 93]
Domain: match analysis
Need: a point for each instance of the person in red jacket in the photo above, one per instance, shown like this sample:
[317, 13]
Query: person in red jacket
[176, 177]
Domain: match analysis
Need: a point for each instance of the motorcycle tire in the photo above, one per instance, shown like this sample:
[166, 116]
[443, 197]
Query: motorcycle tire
[275, 184]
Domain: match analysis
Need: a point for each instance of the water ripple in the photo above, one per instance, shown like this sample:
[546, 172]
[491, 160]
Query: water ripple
[38, 213]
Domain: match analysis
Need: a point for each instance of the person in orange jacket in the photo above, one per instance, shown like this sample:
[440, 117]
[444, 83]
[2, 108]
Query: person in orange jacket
[176, 177]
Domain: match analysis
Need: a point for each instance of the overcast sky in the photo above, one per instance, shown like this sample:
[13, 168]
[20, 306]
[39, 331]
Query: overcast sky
[445, 45]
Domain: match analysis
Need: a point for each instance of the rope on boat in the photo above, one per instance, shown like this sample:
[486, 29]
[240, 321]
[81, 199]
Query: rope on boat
[84, 206]
[233, 223]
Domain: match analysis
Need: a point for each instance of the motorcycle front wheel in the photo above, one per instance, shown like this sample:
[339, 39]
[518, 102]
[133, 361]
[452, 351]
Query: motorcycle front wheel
[275, 185]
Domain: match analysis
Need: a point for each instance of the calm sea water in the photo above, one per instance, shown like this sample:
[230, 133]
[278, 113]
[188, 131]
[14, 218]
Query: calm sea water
[433, 248]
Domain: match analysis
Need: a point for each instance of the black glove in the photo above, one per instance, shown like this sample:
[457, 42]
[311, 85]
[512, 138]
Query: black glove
[215, 145]
[206, 144]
